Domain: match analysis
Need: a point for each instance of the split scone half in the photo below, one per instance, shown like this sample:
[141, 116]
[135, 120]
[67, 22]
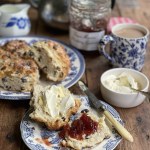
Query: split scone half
[85, 132]
[53, 106]
[52, 59]
[17, 74]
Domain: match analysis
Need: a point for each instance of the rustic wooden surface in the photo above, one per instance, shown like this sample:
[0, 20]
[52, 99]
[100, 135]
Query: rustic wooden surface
[137, 120]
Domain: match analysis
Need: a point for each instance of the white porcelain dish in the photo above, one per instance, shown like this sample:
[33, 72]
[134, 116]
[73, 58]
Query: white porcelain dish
[124, 100]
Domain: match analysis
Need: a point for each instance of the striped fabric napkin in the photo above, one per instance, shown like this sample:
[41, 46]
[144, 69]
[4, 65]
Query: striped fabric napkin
[118, 20]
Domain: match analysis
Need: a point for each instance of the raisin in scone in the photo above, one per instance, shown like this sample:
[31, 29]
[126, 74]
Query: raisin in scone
[52, 59]
[19, 48]
[84, 132]
[53, 106]
[17, 74]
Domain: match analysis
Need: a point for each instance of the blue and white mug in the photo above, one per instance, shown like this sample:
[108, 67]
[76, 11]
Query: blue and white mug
[127, 52]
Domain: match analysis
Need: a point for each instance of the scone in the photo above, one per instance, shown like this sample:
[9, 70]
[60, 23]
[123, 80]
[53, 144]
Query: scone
[52, 59]
[53, 106]
[84, 132]
[17, 74]
[19, 48]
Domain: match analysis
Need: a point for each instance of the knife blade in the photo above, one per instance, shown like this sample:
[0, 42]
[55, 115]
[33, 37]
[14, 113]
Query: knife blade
[98, 105]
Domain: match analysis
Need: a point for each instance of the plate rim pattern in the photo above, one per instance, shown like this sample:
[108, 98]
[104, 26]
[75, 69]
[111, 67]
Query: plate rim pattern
[110, 145]
[8, 95]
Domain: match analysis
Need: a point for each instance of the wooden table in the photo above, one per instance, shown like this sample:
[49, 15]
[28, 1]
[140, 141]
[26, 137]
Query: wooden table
[137, 120]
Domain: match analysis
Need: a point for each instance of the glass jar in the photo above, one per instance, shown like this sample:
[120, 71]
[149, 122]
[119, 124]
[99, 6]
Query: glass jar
[88, 22]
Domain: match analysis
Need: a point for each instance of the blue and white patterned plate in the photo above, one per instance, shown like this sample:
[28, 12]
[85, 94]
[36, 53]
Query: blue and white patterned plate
[76, 71]
[38, 137]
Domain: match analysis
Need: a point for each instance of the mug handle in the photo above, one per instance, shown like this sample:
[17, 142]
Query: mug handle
[102, 45]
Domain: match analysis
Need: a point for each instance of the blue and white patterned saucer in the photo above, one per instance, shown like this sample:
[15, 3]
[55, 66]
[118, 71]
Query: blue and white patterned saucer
[76, 71]
[38, 137]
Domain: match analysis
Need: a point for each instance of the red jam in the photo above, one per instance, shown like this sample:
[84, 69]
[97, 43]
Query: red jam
[82, 126]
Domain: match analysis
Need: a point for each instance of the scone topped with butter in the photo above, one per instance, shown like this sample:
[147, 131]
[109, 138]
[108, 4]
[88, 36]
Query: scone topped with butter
[53, 106]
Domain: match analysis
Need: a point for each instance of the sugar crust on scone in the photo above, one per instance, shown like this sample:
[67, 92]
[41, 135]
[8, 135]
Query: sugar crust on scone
[19, 48]
[17, 74]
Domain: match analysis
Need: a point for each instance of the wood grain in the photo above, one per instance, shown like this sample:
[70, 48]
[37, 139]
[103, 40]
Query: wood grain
[137, 120]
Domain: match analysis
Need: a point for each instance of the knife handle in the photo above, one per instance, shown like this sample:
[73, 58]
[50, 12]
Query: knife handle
[122, 131]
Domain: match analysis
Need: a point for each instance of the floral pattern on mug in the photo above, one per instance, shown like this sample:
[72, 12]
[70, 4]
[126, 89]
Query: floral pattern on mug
[131, 54]
[125, 52]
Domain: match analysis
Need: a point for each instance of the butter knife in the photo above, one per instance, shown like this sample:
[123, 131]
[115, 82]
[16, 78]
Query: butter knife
[98, 105]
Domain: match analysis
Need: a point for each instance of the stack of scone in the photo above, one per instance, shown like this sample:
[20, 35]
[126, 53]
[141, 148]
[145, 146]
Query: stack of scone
[54, 105]
[21, 63]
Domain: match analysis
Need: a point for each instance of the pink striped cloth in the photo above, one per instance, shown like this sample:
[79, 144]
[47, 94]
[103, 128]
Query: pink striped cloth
[118, 20]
